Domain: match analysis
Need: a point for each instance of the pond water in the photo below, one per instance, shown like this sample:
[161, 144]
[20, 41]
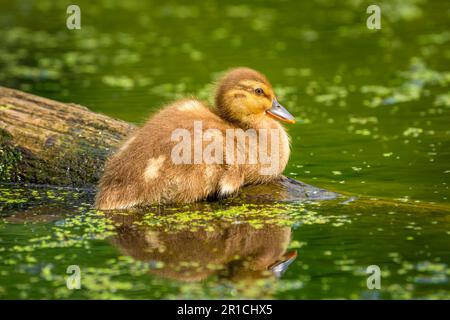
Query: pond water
[374, 107]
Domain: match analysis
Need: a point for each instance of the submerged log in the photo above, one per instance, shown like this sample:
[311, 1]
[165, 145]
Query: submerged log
[43, 141]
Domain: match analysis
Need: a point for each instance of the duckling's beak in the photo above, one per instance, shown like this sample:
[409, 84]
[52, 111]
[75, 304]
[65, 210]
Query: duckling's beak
[280, 267]
[279, 112]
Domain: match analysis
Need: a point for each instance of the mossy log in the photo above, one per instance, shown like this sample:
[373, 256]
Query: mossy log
[43, 141]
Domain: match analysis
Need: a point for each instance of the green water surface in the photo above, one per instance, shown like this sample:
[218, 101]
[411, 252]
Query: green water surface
[374, 111]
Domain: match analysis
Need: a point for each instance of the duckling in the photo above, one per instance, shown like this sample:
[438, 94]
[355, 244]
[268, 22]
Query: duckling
[237, 142]
[246, 253]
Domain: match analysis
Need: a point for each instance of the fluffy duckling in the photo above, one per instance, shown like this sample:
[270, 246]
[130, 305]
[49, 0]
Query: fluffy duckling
[189, 152]
[243, 252]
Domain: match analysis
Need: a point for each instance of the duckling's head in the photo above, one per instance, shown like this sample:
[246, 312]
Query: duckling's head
[245, 97]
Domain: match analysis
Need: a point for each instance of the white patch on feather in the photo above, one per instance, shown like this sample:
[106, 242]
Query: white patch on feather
[152, 239]
[153, 166]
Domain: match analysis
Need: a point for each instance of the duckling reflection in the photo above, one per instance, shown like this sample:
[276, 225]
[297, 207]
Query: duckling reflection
[232, 251]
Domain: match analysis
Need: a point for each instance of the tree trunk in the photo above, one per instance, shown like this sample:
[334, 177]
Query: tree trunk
[48, 142]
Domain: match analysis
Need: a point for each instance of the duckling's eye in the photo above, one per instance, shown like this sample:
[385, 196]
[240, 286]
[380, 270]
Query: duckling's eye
[259, 91]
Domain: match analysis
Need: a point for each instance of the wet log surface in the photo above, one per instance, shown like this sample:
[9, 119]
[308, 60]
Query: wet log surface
[47, 142]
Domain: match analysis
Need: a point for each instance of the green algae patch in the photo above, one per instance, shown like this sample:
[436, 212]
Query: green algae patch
[413, 86]
[206, 216]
